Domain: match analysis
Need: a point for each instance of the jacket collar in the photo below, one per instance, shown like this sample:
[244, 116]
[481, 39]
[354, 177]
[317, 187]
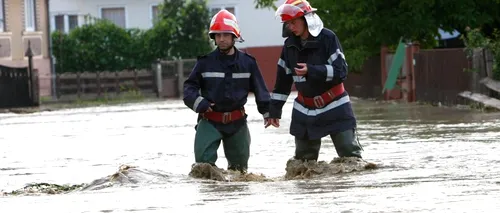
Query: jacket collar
[216, 53]
[310, 43]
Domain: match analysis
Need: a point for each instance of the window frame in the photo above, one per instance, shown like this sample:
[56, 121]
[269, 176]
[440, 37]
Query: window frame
[2, 16]
[27, 10]
[65, 21]
[224, 6]
[151, 14]
[112, 7]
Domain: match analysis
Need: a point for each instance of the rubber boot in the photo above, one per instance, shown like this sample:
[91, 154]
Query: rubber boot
[346, 144]
[206, 143]
[237, 149]
[307, 149]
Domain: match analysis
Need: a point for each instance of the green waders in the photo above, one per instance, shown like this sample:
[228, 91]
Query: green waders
[236, 146]
[346, 145]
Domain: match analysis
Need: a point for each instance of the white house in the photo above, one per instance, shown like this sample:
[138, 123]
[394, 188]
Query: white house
[259, 28]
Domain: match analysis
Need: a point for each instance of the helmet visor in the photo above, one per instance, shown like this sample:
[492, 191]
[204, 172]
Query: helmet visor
[287, 12]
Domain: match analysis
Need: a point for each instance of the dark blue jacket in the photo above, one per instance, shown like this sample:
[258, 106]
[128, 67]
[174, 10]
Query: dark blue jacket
[326, 67]
[226, 82]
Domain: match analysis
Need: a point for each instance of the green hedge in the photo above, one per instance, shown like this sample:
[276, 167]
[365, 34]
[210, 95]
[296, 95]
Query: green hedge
[101, 46]
[104, 46]
[476, 39]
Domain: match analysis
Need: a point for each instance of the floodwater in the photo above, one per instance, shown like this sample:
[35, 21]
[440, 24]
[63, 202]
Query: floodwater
[433, 160]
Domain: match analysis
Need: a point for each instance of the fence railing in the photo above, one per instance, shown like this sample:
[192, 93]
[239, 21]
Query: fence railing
[164, 80]
[103, 84]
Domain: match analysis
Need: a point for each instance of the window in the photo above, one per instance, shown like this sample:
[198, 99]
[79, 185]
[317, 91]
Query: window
[115, 15]
[2, 17]
[29, 15]
[65, 23]
[59, 22]
[73, 21]
[214, 10]
[154, 14]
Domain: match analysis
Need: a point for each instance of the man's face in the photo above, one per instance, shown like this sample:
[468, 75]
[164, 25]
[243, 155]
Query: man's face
[224, 40]
[297, 26]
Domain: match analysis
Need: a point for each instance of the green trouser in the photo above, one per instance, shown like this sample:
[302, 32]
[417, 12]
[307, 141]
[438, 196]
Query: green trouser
[346, 145]
[236, 146]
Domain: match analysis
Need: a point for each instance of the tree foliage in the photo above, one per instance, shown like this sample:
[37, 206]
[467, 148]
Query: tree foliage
[364, 25]
[180, 32]
[474, 38]
[189, 23]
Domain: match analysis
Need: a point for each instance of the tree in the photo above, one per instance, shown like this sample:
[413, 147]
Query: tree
[186, 31]
[364, 25]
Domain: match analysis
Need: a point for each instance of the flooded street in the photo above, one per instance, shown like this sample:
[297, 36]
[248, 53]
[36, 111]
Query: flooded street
[432, 160]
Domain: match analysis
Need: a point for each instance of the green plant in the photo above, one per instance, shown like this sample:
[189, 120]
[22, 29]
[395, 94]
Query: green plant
[100, 45]
[363, 26]
[474, 39]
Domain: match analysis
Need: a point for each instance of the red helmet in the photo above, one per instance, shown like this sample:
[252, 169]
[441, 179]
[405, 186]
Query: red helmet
[224, 22]
[292, 9]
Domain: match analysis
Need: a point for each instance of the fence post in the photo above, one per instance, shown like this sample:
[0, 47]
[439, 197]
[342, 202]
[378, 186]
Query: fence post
[488, 58]
[32, 78]
[180, 77]
[384, 50]
[79, 84]
[58, 83]
[415, 48]
[98, 83]
[477, 66]
[117, 84]
[159, 79]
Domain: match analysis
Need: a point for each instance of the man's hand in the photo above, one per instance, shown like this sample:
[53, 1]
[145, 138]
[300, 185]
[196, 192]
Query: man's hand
[301, 70]
[210, 107]
[271, 121]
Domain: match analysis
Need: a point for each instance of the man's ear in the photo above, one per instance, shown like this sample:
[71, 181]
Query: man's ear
[285, 32]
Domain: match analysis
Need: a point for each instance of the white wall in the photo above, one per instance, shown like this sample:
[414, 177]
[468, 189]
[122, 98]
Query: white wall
[258, 26]
[138, 12]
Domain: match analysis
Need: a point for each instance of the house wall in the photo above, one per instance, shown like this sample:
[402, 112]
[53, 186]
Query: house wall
[259, 28]
[14, 40]
[138, 13]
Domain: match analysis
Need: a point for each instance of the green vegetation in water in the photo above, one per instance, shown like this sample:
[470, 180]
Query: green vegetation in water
[44, 188]
[119, 177]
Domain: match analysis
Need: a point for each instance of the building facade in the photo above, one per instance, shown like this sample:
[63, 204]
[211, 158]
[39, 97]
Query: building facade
[23, 21]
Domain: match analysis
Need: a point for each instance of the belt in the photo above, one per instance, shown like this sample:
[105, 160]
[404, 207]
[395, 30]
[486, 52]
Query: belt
[224, 117]
[321, 100]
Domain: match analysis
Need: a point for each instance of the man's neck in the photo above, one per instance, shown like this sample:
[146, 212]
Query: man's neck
[304, 35]
[228, 52]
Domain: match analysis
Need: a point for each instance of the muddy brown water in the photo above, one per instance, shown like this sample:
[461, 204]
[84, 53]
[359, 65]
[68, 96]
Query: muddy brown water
[433, 160]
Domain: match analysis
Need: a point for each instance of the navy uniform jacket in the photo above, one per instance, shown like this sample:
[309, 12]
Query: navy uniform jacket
[326, 67]
[225, 81]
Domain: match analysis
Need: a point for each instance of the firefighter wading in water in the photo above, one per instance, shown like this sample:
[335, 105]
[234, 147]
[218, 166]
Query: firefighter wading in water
[313, 59]
[217, 90]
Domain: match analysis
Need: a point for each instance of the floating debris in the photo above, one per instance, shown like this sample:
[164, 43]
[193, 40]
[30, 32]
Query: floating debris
[44, 188]
[298, 169]
[125, 175]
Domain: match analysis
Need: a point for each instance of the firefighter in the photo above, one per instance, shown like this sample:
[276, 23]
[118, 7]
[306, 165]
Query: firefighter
[217, 90]
[313, 59]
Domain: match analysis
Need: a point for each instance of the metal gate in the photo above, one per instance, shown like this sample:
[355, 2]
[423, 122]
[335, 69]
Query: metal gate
[19, 86]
